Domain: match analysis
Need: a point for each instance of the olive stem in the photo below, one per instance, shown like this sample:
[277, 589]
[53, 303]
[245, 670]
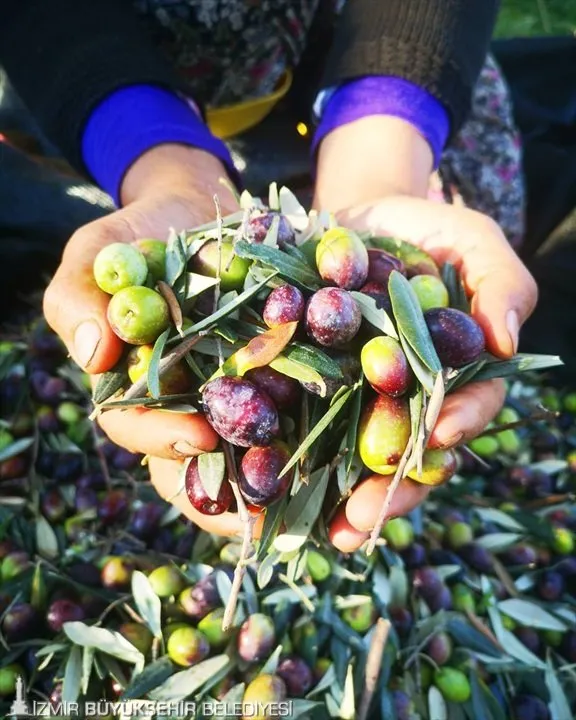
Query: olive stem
[140, 387]
[373, 665]
[308, 604]
[248, 522]
[398, 476]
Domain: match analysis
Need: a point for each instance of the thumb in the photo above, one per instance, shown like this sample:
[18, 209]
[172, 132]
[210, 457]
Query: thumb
[74, 305]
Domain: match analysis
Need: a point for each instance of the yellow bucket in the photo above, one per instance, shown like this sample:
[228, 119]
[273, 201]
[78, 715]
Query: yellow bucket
[230, 120]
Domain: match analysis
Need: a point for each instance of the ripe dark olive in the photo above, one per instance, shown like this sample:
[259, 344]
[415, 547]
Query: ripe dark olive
[240, 412]
[284, 304]
[427, 582]
[342, 259]
[530, 638]
[258, 479]
[296, 674]
[379, 293]
[439, 648]
[63, 611]
[256, 638]
[284, 391]
[199, 498]
[477, 557]
[332, 317]
[550, 585]
[381, 264]
[113, 507]
[519, 555]
[21, 622]
[414, 556]
[402, 620]
[145, 521]
[457, 337]
[529, 707]
[258, 226]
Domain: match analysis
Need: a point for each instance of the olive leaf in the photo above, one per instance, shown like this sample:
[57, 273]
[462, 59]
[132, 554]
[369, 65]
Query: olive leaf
[147, 602]
[15, 448]
[38, 590]
[298, 371]
[464, 375]
[212, 470]
[261, 350]
[271, 239]
[522, 362]
[110, 383]
[455, 287]
[410, 320]
[467, 636]
[559, 705]
[376, 316]
[317, 430]
[72, 676]
[353, 422]
[315, 358]
[530, 614]
[224, 311]
[46, 540]
[273, 197]
[176, 257]
[437, 705]
[287, 267]
[302, 512]
[266, 569]
[186, 682]
[150, 678]
[195, 284]
[153, 377]
[272, 523]
[107, 641]
[173, 305]
[425, 377]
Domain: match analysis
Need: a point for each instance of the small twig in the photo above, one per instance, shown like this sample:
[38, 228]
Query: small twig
[466, 450]
[484, 629]
[218, 270]
[417, 652]
[133, 614]
[308, 604]
[523, 422]
[248, 522]
[505, 578]
[140, 387]
[550, 500]
[373, 665]
[115, 604]
[101, 457]
[398, 476]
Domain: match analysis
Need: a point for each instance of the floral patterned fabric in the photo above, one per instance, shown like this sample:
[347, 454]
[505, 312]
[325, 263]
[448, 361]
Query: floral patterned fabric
[233, 50]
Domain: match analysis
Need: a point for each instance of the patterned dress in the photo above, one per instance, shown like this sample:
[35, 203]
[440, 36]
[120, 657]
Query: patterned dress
[235, 50]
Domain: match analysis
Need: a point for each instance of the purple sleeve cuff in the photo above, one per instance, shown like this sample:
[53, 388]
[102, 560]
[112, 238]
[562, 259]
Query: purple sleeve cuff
[384, 95]
[135, 119]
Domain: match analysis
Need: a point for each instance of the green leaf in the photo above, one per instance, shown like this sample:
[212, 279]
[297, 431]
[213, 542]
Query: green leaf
[377, 317]
[410, 319]
[315, 358]
[288, 267]
[470, 638]
[498, 541]
[38, 592]
[317, 430]
[107, 641]
[271, 239]
[455, 287]
[46, 540]
[530, 614]
[176, 257]
[559, 706]
[481, 710]
[273, 197]
[266, 569]
[518, 650]
[499, 518]
[110, 383]
[150, 678]
[465, 375]
[173, 305]
[270, 666]
[302, 708]
[196, 284]
[15, 448]
[422, 373]
[436, 704]
[303, 511]
[353, 421]
[518, 364]
[272, 522]
[153, 377]
[212, 470]
[183, 684]
[300, 372]
[147, 602]
[225, 311]
[72, 676]
[87, 664]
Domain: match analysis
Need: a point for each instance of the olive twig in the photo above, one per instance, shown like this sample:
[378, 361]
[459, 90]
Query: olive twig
[248, 522]
[398, 476]
[373, 665]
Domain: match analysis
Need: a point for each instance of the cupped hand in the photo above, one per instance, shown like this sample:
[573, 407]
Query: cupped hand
[503, 294]
[169, 187]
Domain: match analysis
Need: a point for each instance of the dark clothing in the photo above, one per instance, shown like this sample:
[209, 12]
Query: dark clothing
[64, 56]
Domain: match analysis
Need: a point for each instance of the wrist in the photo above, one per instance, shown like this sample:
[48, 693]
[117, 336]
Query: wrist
[171, 166]
[369, 159]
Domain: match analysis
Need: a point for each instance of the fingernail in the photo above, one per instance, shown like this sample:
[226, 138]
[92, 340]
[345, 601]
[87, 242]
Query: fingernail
[86, 340]
[513, 327]
[184, 448]
[451, 441]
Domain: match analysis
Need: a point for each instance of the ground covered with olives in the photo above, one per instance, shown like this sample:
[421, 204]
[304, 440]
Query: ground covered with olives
[318, 356]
